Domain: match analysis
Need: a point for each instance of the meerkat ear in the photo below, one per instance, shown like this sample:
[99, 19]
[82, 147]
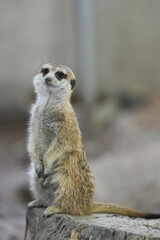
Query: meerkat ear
[73, 83]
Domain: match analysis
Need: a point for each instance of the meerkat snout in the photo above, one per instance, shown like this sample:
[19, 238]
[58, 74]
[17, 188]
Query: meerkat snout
[48, 81]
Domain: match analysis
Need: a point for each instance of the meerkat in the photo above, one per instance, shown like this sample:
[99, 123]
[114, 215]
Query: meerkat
[60, 177]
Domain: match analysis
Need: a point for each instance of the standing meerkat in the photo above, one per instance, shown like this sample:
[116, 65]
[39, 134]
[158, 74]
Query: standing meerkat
[60, 177]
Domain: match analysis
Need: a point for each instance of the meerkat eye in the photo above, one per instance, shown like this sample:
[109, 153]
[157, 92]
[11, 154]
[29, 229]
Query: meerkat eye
[45, 71]
[60, 75]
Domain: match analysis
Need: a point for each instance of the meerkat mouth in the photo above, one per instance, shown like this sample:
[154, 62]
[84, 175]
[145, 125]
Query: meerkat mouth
[48, 85]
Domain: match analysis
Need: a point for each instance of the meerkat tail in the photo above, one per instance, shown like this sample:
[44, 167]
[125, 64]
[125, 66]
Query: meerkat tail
[99, 207]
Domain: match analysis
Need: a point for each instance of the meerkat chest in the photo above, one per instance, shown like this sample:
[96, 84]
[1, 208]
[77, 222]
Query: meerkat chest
[45, 127]
[46, 124]
[44, 134]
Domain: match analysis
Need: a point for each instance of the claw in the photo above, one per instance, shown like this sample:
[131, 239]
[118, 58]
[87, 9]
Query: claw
[39, 173]
[45, 175]
[51, 210]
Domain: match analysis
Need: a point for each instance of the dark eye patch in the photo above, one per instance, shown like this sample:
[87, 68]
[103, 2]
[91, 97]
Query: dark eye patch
[60, 75]
[45, 71]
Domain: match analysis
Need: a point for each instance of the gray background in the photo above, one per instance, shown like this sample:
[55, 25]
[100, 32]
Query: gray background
[114, 49]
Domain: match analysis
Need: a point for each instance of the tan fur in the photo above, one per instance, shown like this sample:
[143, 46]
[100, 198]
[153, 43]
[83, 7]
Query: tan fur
[63, 181]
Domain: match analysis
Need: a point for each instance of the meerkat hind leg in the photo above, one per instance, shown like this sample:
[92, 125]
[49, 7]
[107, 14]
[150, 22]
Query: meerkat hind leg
[51, 210]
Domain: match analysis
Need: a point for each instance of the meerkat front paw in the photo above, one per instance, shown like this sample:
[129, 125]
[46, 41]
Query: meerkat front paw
[39, 170]
[46, 173]
[51, 210]
[47, 170]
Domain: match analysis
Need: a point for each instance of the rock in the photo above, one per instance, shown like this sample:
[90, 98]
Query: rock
[94, 227]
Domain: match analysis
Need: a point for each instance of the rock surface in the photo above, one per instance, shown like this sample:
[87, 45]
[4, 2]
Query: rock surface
[95, 227]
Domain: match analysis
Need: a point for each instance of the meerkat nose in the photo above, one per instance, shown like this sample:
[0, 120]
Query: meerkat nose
[48, 81]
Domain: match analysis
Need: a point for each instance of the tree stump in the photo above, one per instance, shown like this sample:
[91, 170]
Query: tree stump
[94, 227]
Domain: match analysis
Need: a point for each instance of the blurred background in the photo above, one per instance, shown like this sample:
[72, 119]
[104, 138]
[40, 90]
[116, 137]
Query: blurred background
[113, 47]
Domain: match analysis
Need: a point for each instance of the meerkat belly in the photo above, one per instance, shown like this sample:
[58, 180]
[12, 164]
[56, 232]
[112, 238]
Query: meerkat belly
[45, 135]
[44, 131]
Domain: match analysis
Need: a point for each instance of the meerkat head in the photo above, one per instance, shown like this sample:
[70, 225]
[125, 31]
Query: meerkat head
[58, 80]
